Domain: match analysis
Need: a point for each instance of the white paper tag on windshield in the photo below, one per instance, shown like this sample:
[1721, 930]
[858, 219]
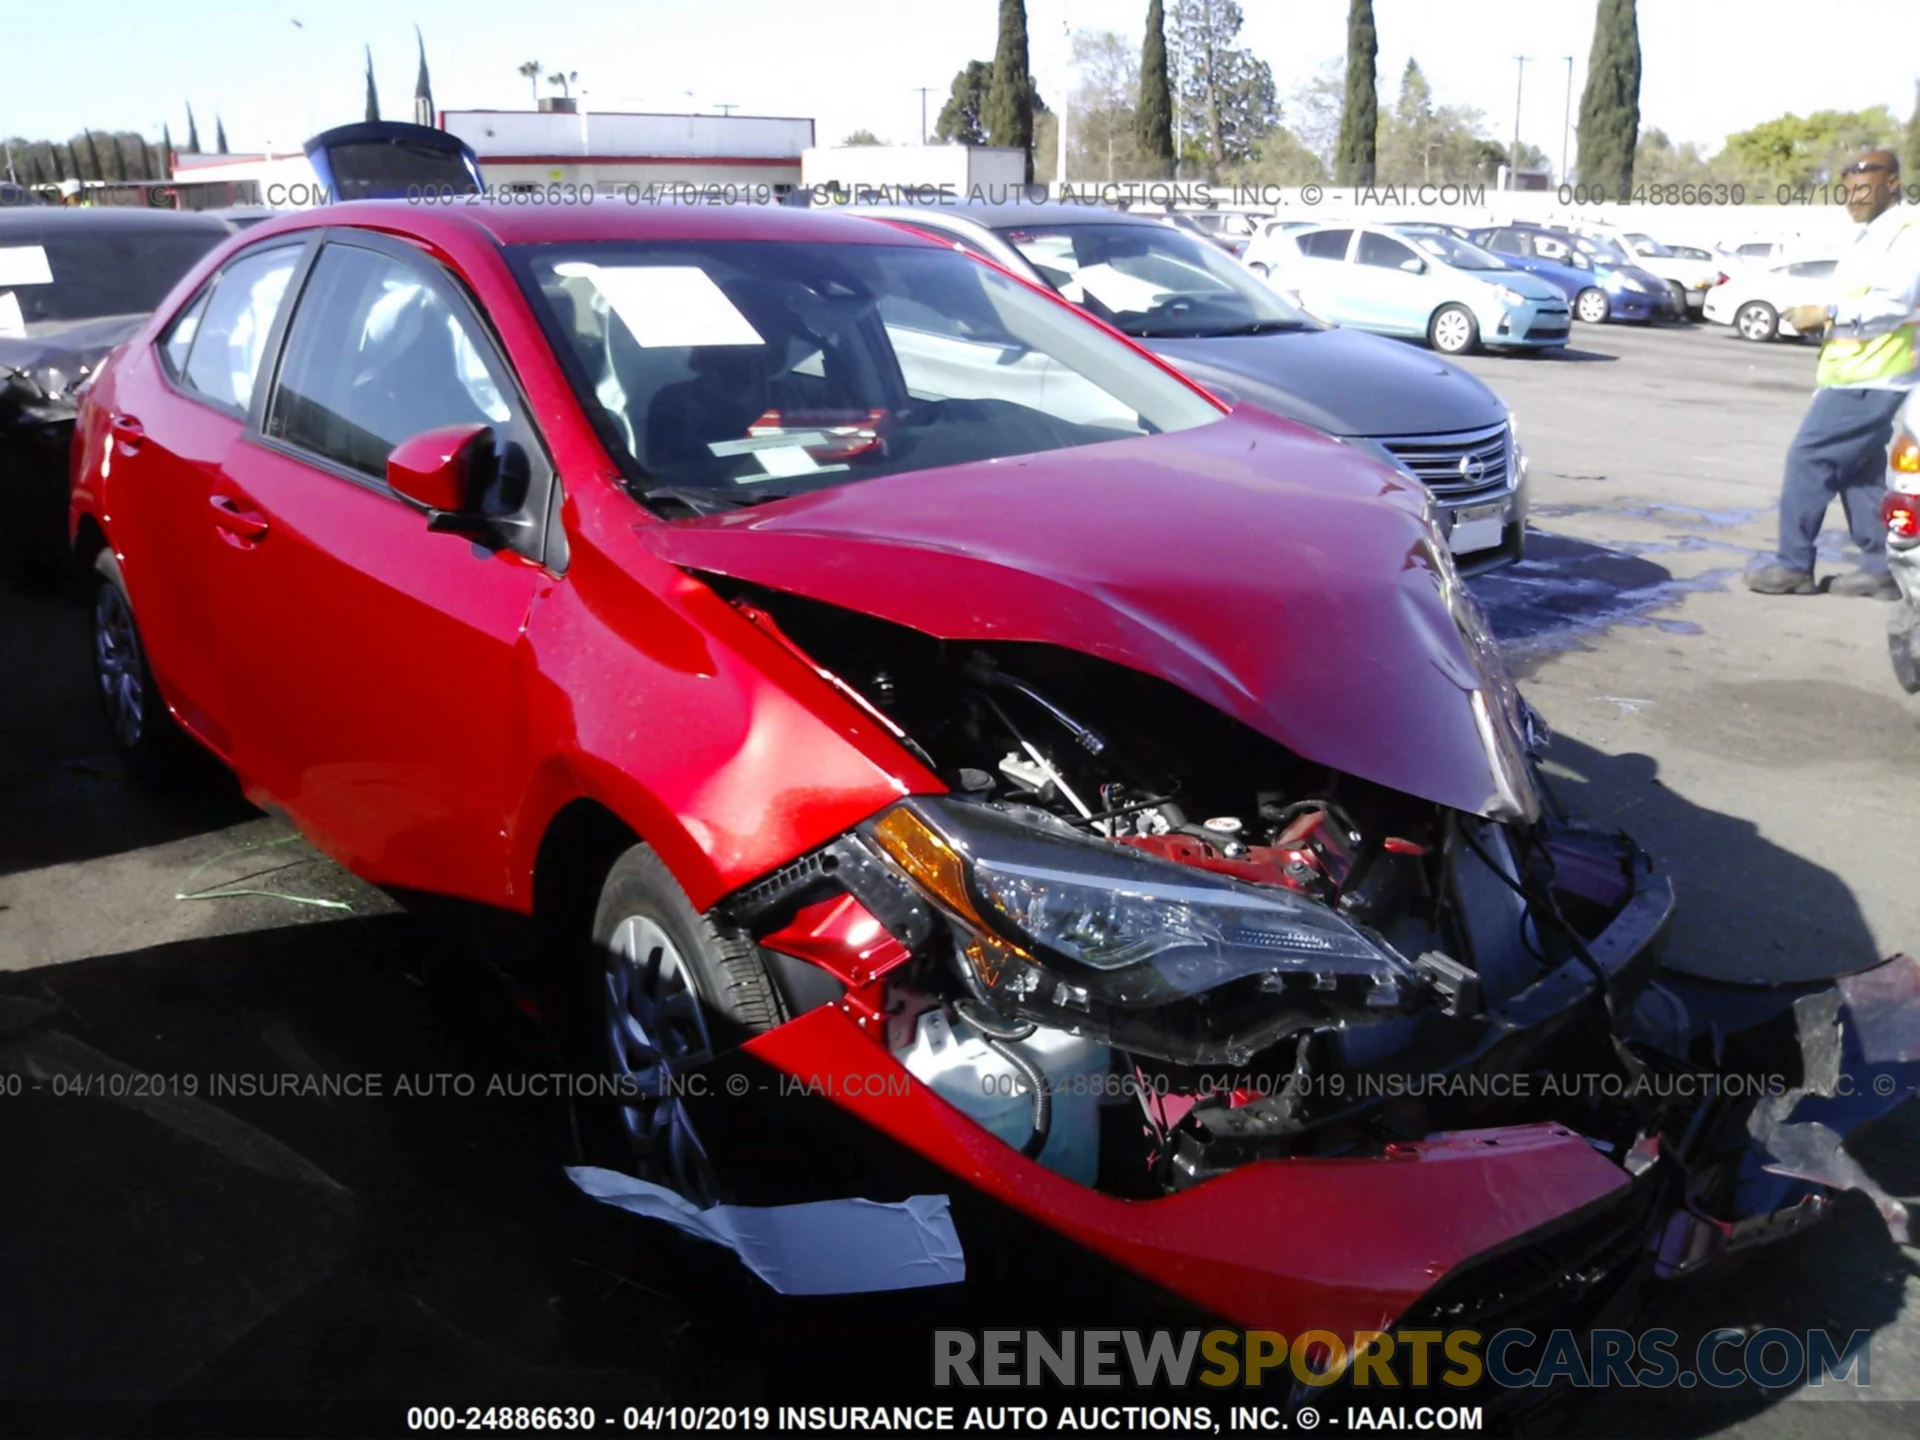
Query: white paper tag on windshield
[24, 265]
[668, 306]
[13, 325]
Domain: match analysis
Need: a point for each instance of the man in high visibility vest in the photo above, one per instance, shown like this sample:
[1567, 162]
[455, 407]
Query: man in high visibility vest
[1868, 366]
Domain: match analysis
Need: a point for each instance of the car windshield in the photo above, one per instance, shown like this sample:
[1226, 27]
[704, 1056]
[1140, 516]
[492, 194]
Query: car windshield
[1455, 252]
[58, 276]
[1153, 281]
[728, 372]
[1647, 245]
[1603, 247]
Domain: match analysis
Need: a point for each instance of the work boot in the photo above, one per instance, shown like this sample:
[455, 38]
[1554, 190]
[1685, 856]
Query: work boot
[1779, 580]
[1872, 584]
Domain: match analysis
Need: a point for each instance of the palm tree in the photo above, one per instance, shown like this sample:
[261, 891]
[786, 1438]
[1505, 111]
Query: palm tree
[533, 70]
[563, 81]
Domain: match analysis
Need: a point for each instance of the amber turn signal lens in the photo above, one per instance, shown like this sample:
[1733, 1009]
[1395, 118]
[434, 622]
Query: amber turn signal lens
[1904, 457]
[926, 856]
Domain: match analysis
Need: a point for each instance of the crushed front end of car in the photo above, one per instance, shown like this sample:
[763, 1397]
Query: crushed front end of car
[1304, 1041]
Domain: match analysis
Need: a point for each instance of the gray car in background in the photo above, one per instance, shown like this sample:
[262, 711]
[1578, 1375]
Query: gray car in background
[1208, 315]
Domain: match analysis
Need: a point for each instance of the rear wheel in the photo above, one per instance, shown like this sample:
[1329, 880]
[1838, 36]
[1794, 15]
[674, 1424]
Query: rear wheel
[1756, 320]
[1679, 300]
[1591, 306]
[1453, 330]
[660, 991]
[144, 731]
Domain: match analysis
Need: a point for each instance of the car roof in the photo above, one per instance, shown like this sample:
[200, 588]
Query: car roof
[513, 224]
[69, 219]
[1011, 216]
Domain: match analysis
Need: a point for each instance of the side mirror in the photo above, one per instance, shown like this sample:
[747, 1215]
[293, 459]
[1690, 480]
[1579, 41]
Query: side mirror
[1415, 266]
[437, 470]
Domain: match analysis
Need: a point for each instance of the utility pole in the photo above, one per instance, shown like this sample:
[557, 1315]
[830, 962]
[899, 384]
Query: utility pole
[1513, 155]
[1066, 108]
[924, 90]
[1566, 123]
[727, 109]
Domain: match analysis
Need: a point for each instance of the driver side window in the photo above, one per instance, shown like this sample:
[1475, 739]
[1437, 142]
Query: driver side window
[377, 354]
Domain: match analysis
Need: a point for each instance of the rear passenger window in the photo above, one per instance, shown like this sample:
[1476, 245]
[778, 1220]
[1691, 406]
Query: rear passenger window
[1379, 250]
[229, 329]
[179, 342]
[1324, 244]
[377, 353]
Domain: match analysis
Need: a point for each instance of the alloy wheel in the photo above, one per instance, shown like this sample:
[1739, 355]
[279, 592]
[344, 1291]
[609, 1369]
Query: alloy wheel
[1592, 307]
[117, 665]
[1755, 322]
[655, 1028]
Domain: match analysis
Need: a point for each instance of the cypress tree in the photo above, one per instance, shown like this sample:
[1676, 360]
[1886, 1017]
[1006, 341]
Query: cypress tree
[1007, 115]
[423, 113]
[1360, 115]
[373, 95]
[1610, 105]
[193, 133]
[220, 136]
[1153, 116]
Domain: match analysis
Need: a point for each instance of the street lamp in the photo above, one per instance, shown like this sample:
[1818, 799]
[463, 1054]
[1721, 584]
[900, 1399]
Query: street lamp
[1566, 122]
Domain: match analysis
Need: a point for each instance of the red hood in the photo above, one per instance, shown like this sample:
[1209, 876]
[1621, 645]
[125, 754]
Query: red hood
[1281, 577]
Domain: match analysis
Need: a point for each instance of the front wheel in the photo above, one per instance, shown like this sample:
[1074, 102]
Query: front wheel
[1591, 306]
[1679, 300]
[1453, 330]
[1757, 321]
[660, 991]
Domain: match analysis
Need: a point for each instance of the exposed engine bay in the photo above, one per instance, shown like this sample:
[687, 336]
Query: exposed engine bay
[1145, 945]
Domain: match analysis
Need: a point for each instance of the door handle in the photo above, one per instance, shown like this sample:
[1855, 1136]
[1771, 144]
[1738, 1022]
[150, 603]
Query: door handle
[128, 430]
[237, 519]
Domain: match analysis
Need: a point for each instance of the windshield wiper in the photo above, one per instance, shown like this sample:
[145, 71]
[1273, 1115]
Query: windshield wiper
[1260, 327]
[711, 502]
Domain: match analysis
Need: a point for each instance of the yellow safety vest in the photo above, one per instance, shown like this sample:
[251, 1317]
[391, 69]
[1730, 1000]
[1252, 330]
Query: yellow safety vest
[1854, 363]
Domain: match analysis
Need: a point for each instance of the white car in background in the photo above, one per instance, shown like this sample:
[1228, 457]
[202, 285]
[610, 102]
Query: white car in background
[1690, 277]
[1753, 298]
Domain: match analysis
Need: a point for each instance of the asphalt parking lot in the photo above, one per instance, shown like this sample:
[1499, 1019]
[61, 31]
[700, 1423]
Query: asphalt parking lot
[239, 1249]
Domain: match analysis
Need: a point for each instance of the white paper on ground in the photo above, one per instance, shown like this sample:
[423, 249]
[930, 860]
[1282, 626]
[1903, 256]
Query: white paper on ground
[823, 1247]
[13, 324]
[668, 306]
[24, 265]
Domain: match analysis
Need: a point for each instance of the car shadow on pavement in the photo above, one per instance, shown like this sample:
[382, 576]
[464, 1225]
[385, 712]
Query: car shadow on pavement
[64, 794]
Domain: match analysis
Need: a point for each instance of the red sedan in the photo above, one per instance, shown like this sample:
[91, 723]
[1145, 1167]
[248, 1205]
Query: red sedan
[862, 667]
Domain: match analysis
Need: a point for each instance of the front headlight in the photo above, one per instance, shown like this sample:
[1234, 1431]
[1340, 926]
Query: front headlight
[1060, 922]
[1510, 296]
[1627, 282]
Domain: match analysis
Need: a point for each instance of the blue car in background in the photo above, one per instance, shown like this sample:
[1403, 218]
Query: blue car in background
[1598, 286]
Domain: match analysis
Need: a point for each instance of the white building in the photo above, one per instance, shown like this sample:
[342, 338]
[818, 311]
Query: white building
[613, 151]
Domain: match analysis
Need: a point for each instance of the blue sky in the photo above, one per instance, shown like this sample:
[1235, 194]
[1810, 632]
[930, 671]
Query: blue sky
[130, 64]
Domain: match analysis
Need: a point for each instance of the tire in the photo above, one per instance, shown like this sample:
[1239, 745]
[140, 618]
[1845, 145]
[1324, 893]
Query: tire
[1756, 321]
[1679, 300]
[1257, 268]
[146, 736]
[1453, 331]
[1903, 645]
[660, 988]
[1591, 306]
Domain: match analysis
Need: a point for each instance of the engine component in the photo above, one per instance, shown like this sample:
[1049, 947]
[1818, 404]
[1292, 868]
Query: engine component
[991, 1080]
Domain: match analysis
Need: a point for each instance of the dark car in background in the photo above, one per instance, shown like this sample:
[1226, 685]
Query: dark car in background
[74, 283]
[1223, 325]
[1613, 288]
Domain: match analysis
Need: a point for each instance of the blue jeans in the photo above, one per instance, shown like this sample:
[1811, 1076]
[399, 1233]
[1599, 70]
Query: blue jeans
[1841, 449]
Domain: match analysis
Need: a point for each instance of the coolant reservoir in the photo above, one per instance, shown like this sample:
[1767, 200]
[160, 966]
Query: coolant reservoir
[954, 1061]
